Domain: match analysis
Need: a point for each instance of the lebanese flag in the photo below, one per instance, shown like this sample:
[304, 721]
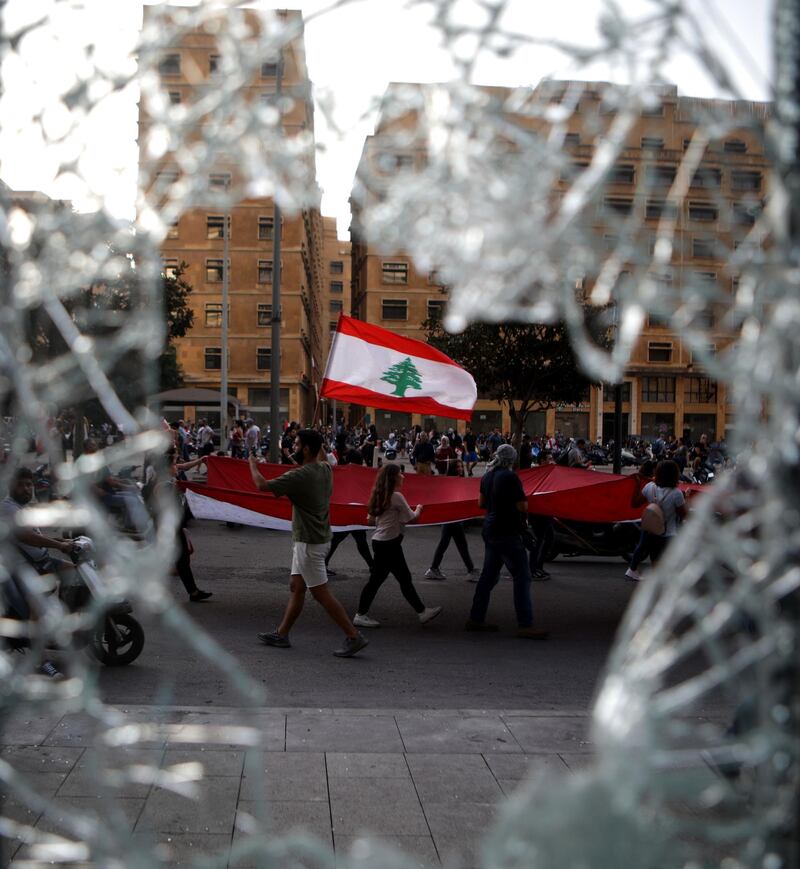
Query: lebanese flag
[374, 367]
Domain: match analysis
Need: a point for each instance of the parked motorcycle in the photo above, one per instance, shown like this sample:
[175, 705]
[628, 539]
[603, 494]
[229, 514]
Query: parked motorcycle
[606, 539]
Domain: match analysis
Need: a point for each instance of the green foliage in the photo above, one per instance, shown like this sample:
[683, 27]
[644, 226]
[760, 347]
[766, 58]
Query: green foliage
[528, 366]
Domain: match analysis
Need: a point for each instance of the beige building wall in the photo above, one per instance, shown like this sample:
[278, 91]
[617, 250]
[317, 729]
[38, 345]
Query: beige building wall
[197, 240]
[337, 269]
[665, 388]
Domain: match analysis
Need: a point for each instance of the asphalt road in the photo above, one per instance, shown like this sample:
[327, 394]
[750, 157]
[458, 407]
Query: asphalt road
[406, 665]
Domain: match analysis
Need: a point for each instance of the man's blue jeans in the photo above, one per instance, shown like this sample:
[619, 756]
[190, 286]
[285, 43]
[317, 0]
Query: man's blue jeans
[509, 551]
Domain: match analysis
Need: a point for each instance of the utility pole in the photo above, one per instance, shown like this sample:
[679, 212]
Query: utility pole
[617, 428]
[223, 386]
[275, 360]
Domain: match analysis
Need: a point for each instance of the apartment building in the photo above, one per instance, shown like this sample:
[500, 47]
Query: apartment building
[665, 388]
[337, 268]
[188, 70]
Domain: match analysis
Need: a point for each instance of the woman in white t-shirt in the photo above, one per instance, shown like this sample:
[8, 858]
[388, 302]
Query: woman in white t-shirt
[389, 512]
[663, 491]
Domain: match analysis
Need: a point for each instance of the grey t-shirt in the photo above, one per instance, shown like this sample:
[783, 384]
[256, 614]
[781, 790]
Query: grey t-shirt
[8, 510]
[309, 488]
[669, 500]
[389, 525]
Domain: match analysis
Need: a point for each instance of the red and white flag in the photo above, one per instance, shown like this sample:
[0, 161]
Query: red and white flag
[374, 367]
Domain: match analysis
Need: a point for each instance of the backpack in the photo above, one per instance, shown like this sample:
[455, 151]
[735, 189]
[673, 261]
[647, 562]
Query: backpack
[653, 519]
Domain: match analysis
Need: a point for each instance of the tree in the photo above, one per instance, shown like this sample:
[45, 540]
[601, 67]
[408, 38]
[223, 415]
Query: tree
[528, 367]
[179, 317]
[404, 375]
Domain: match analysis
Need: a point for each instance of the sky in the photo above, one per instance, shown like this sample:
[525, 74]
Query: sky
[352, 54]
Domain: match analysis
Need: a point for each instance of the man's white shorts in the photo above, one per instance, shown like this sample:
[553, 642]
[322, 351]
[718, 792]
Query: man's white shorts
[308, 561]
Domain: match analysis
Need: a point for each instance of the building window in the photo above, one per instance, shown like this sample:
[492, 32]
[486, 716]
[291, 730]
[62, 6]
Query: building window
[214, 270]
[394, 273]
[618, 205]
[170, 64]
[746, 181]
[337, 267]
[705, 278]
[213, 358]
[659, 351]
[658, 389]
[394, 309]
[660, 175]
[745, 215]
[622, 173]
[174, 230]
[219, 180]
[337, 287]
[264, 314]
[265, 271]
[269, 70]
[337, 306]
[213, 64]
[652, 143]
[215, 226]
[608, 392]
[655, 209]
[735, 146]
[572, 139]
[263, 358]
[166, 176]
[704, 319]
[709, 179]
[703, 211]
[213, 314]
[175, 97]
[266, 226]
[699, 390]
[610, 242]
[436, 309]
[170, 268]
[653, 111]
[703, 248]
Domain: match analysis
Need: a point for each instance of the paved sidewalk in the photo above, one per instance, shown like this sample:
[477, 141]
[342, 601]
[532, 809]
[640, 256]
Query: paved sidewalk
[427, 782]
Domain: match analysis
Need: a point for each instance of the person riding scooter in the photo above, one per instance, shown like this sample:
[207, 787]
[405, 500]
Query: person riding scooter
[118, 496]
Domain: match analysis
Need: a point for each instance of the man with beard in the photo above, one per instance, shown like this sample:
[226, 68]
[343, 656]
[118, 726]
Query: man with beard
[309, 488]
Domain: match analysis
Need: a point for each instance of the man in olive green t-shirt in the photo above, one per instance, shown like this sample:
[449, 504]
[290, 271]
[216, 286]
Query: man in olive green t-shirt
[309, 488]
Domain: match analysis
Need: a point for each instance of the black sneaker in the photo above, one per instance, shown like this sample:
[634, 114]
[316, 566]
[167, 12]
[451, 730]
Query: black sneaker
[275, 639]
[49, 669]
[198, 596]
[480, 627]
[351, 646]
[330, 571]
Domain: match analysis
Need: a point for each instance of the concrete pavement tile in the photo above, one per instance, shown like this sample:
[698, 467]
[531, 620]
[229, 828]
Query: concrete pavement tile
[85, 730]
[285, 776]
[91, 772]
[577, 761]
[182, 849]
[20, 728]
[518, 766]
[124, 812]
[462, 851]
[358, 765]
[380, 806]
[45, 784]
[454, 734]
[453, 777]
[313, 731]
[546, 734]
[36, 759]
[276, 818]
[455, 819]
[212, 812]
[209, 729]
[227, 762]
[420, 850]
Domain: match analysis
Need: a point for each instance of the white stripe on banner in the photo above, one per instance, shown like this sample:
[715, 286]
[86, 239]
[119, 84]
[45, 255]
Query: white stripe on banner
[360, 363]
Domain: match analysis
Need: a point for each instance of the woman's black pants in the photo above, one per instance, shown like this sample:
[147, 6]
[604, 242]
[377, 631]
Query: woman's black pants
[389, 558]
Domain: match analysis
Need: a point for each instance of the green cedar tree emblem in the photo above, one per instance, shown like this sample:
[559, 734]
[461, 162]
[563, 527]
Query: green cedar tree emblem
[403, 376]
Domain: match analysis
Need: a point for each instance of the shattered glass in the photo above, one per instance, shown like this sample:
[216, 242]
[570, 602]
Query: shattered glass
[718, 620]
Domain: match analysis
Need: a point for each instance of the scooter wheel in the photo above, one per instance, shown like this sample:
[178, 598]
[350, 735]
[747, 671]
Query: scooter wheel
[119, 641]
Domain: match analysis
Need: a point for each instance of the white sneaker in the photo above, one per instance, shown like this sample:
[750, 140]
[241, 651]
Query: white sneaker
[429, 613]
[434, 573]
[632, 574]
[365, 622]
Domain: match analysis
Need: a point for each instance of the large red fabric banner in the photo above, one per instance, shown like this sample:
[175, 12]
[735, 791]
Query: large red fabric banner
[552, 490]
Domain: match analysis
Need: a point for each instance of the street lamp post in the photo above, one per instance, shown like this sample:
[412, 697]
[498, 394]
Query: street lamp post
[223, 386]
[617, 428]
[275, 360]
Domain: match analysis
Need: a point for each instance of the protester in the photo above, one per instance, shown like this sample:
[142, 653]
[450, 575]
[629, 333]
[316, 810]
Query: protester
[506, 507]
[576, 456]
[664, 492]
[237, 440]
[118, 496]
[445, 455]
[470, 453]
[252, 437]
[423, 455]
[389, 511]
[309, 488]
[452, 531]
[183, 563]
[205, 439]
